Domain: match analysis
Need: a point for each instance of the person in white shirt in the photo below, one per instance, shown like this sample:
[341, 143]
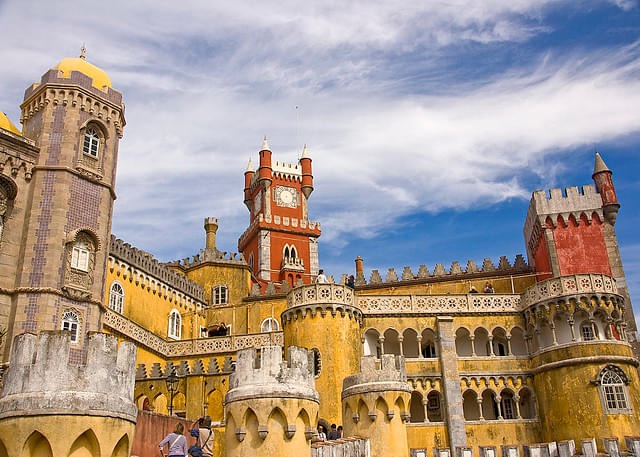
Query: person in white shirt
[321, 278]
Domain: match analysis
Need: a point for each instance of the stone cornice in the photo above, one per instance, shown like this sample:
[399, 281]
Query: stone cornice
[81, 173]
[583, 360]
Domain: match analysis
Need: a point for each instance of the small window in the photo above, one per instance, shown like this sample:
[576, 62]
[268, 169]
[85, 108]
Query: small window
[429, 351]
[70, 323]
[91, 142]
[613, 391]
[80, 256]
[508, 410]
[116, 297]
[587, 332]
[175, 325]
[270, 325]
[220, 295]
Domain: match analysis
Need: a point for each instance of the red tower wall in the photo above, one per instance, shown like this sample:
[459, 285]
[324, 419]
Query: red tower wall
[541, 259]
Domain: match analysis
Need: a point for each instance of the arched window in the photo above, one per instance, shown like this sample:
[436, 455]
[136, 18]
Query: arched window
[586, 331]
[70, 322]
[286, 252]
[80, 255]
[220, 295]
[613, 390]
[175, 325]
[91, 142]
[294, 254]
[269, 325]
[116, 297]
[507, 405]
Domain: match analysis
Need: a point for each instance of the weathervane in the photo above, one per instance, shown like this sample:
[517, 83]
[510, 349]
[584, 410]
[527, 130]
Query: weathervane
[83, 51]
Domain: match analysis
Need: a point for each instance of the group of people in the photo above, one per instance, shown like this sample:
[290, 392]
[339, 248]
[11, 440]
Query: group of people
[322, 279]
[334, 434]
[177, 442]
[488, 289]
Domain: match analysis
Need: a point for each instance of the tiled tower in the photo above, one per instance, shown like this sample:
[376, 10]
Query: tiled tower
[281, 244]
[574, 234]
[74, 118]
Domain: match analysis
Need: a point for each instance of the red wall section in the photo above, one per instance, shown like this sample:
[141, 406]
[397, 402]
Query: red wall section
[581, 248]
[541, 259]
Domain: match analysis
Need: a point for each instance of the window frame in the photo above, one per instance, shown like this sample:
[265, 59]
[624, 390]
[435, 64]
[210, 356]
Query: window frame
[91, 142]
[119, 296]
[80, 248]
[614, 396]
[174, 329]
[216, 294]
[72, 319]
[270, 320]
[589, 327]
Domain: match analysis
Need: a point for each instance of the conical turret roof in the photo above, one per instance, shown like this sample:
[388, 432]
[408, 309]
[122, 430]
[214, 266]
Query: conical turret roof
[600, 166]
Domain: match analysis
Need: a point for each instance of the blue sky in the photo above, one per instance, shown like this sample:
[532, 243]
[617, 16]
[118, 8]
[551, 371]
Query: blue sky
[429, 125]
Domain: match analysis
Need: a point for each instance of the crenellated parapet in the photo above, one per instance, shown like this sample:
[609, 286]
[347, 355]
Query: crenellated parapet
[137, 265]
[321, 298]
[41, 381]
[267, 398]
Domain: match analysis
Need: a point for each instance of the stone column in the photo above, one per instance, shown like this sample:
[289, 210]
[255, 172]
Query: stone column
[419, 338]
[473, 345]
[508, 345]
[491, 353]
[499, 405]
[572, 328]
[425, 402]
[479, 400]
[516, 400]
[381, 343]
[400, 341]
[454, 413]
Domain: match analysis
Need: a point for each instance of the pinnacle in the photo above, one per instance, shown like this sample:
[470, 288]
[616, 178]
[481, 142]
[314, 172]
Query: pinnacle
[305, 153]
[265, 144]
[600, 166]
[249, 166]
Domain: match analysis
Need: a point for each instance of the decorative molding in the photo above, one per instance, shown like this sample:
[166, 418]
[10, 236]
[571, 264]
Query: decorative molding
[450, 303]
[568, 285]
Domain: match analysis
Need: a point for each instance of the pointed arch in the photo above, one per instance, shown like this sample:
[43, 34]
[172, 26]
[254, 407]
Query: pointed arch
[416, 407]
[275, 412]
[37, 446]
[122, 448]
[304, 416]
[381, 405]
[86, 445]
[249, 414]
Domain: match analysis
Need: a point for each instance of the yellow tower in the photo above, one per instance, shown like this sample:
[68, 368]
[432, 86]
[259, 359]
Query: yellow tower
[50, 407]
[376, 405]
[271, 406]
[322, 317]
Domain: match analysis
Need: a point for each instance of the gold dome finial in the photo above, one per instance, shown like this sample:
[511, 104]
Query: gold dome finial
[83, 51]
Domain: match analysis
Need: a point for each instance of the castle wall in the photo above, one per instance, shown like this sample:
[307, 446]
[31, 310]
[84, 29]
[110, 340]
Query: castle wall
[581, 248]
[236, 277]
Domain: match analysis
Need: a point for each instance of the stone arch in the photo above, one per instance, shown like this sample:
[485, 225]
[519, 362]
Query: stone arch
[362, 409]
[499, 341]
[507, 403]
[464, 345]
[481, 341]
[306, 419]
[249, 416]
[391, 341]
[37, 446]
[277, 423]
[562, 328]
[489, 407]
[416, 407]
[527, 403]
[600, 321]
[143, 403]
[215, 409]
[581, 320]
[160, 404]
[518, 343]
[410, 347]
[179, 402]
[470, 405]
[381, 406]
[399, 403]
[122, 448]
[372, 342]
[434, 406]
[95, 123]
[86, 445]
[545, 334]
[428, 344]
[74, 235]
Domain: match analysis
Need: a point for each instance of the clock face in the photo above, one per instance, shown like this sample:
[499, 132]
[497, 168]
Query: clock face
[286, 196]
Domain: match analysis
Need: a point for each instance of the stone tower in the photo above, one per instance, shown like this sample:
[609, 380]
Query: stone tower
[50, 406]
[75, 119]
[574, 234]
[375, 405]
[322, 317]
[281, 244]
[272, 405]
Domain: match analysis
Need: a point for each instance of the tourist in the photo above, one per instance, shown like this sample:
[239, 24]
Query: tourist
[488, 288]
[473, 290]
[340, 430]
[321, 278]
[176, 442]
[322, 436]
[351, 282]
[333, 434]
[204, 438]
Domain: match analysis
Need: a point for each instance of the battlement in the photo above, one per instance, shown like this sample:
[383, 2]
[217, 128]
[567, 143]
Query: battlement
[391, 374]
[40, 379]
[146, 263]
[268, 375]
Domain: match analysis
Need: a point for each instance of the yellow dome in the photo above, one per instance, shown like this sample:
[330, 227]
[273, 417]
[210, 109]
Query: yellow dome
[100, 78]
[6, 124]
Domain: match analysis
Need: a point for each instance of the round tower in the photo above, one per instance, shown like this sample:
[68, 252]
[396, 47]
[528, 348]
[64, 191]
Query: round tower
[265, 171]
[375, 405]
[50, 405]
[307, 175]
[210, 228]
[272, 405]
[321, 317]
[248, 177]
[602, 177]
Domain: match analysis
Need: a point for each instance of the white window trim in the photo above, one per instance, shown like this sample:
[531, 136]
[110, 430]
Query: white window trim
[112, 296]
[94, 138]
[80, 257]
[216, 296]
[176, 333]
[270, 321]
[623, 389]
[72, 319]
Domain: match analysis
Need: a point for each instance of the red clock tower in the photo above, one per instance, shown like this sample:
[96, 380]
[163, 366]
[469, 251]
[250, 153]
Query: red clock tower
[281, 243]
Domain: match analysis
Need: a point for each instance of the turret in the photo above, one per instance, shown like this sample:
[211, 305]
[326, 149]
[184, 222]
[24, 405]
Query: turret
[375, 405]
[272, 405]
[211, 227]
[248, 177]
[604, 186]
[307, 176]
[360, 279]
[265, 171]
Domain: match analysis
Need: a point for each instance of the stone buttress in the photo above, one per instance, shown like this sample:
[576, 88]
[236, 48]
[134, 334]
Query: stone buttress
[51, 407]
[272, 405]
[375, 405]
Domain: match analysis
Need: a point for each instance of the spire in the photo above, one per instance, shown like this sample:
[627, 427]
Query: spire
[249, 167]
[83, 51]
[305, 153]
[265, 144]
[600, 166]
